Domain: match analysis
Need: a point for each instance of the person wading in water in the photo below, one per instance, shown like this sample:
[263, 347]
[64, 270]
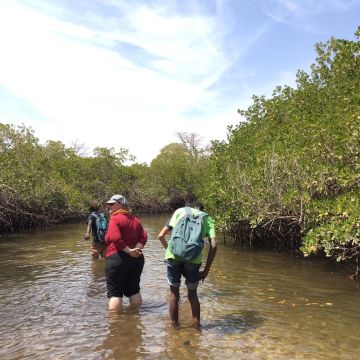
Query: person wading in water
[125, 240]
[96, 225]
[187, 263]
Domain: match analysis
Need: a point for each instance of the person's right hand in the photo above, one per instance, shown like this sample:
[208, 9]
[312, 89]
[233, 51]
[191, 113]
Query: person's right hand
[86, 236]
[136, 252]
[203, 275]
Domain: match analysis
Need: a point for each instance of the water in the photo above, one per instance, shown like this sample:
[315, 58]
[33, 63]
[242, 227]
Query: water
[255, 305]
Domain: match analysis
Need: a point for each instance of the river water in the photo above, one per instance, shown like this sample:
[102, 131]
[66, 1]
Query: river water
[255, 305]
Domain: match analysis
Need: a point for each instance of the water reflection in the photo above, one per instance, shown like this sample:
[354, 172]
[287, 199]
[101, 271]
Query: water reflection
[123, 339]
[184, 343]
[96, 287]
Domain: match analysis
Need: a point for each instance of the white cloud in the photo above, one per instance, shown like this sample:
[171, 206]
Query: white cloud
[135, 74]
[69, 74]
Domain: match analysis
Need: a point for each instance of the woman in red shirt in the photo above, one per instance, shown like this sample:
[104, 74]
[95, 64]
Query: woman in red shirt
[125, 239]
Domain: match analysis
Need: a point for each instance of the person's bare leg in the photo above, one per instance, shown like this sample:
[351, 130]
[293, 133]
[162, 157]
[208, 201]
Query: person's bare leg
[195, 306]
[174, 305]
[135, 300]
[115, 303]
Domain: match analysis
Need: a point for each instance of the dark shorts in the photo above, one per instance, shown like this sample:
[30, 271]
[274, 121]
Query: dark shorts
[190, 272]
[123, 274]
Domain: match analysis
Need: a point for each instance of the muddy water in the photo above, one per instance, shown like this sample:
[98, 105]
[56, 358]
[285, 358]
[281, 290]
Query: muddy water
[255, 305]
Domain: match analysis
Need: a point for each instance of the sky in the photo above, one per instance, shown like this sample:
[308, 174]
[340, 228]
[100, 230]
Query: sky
[132, 74]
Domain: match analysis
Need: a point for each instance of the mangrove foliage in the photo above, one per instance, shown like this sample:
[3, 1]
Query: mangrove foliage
[290, 173]
[45, 183]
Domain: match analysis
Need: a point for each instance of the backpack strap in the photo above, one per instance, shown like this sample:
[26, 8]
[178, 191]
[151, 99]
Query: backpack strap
[94, 214]
[103, 215]
[188, 211]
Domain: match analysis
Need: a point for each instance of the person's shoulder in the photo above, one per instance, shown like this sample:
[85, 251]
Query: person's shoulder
[179, 211]
[132, 217]
[118, 216]
[209, 218]
[209, 221]
[124, 217]
[176, 216]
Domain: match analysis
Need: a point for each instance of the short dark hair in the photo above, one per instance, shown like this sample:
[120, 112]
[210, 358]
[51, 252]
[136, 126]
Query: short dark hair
[196, 205]
[94, 206]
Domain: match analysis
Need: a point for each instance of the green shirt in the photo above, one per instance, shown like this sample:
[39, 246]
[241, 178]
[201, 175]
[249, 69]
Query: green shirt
[208, 230]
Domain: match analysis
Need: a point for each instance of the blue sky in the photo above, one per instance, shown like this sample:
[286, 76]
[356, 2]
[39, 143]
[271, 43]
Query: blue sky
[134, 73]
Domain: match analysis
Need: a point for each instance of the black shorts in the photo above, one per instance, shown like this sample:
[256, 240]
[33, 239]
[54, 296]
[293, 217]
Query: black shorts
[123, 274]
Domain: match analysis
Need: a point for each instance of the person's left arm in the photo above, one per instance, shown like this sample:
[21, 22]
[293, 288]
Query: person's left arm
[210, 259]
[211, 234]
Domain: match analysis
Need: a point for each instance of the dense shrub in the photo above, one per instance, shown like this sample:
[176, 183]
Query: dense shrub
[291, 170]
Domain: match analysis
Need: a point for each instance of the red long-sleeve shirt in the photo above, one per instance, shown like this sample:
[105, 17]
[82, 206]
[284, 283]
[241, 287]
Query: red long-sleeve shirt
[124, 230]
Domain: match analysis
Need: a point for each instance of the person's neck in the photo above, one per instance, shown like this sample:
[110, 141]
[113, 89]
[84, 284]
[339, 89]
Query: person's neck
[120, 211]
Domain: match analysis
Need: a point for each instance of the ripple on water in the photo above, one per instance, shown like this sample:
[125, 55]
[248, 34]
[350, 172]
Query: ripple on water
[255, 305]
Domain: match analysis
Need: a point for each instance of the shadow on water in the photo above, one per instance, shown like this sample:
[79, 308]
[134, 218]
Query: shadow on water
[237, 323]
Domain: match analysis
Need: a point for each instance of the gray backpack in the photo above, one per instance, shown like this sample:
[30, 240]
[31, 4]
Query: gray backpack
[186, 242]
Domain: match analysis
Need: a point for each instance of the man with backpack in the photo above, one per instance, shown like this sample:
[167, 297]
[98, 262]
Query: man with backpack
[97, 224]
[183, 257]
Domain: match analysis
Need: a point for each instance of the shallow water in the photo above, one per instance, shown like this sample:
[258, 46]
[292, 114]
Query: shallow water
[255, 305]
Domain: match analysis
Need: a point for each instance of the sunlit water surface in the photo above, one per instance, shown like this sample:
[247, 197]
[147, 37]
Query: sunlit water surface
[255, 305]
